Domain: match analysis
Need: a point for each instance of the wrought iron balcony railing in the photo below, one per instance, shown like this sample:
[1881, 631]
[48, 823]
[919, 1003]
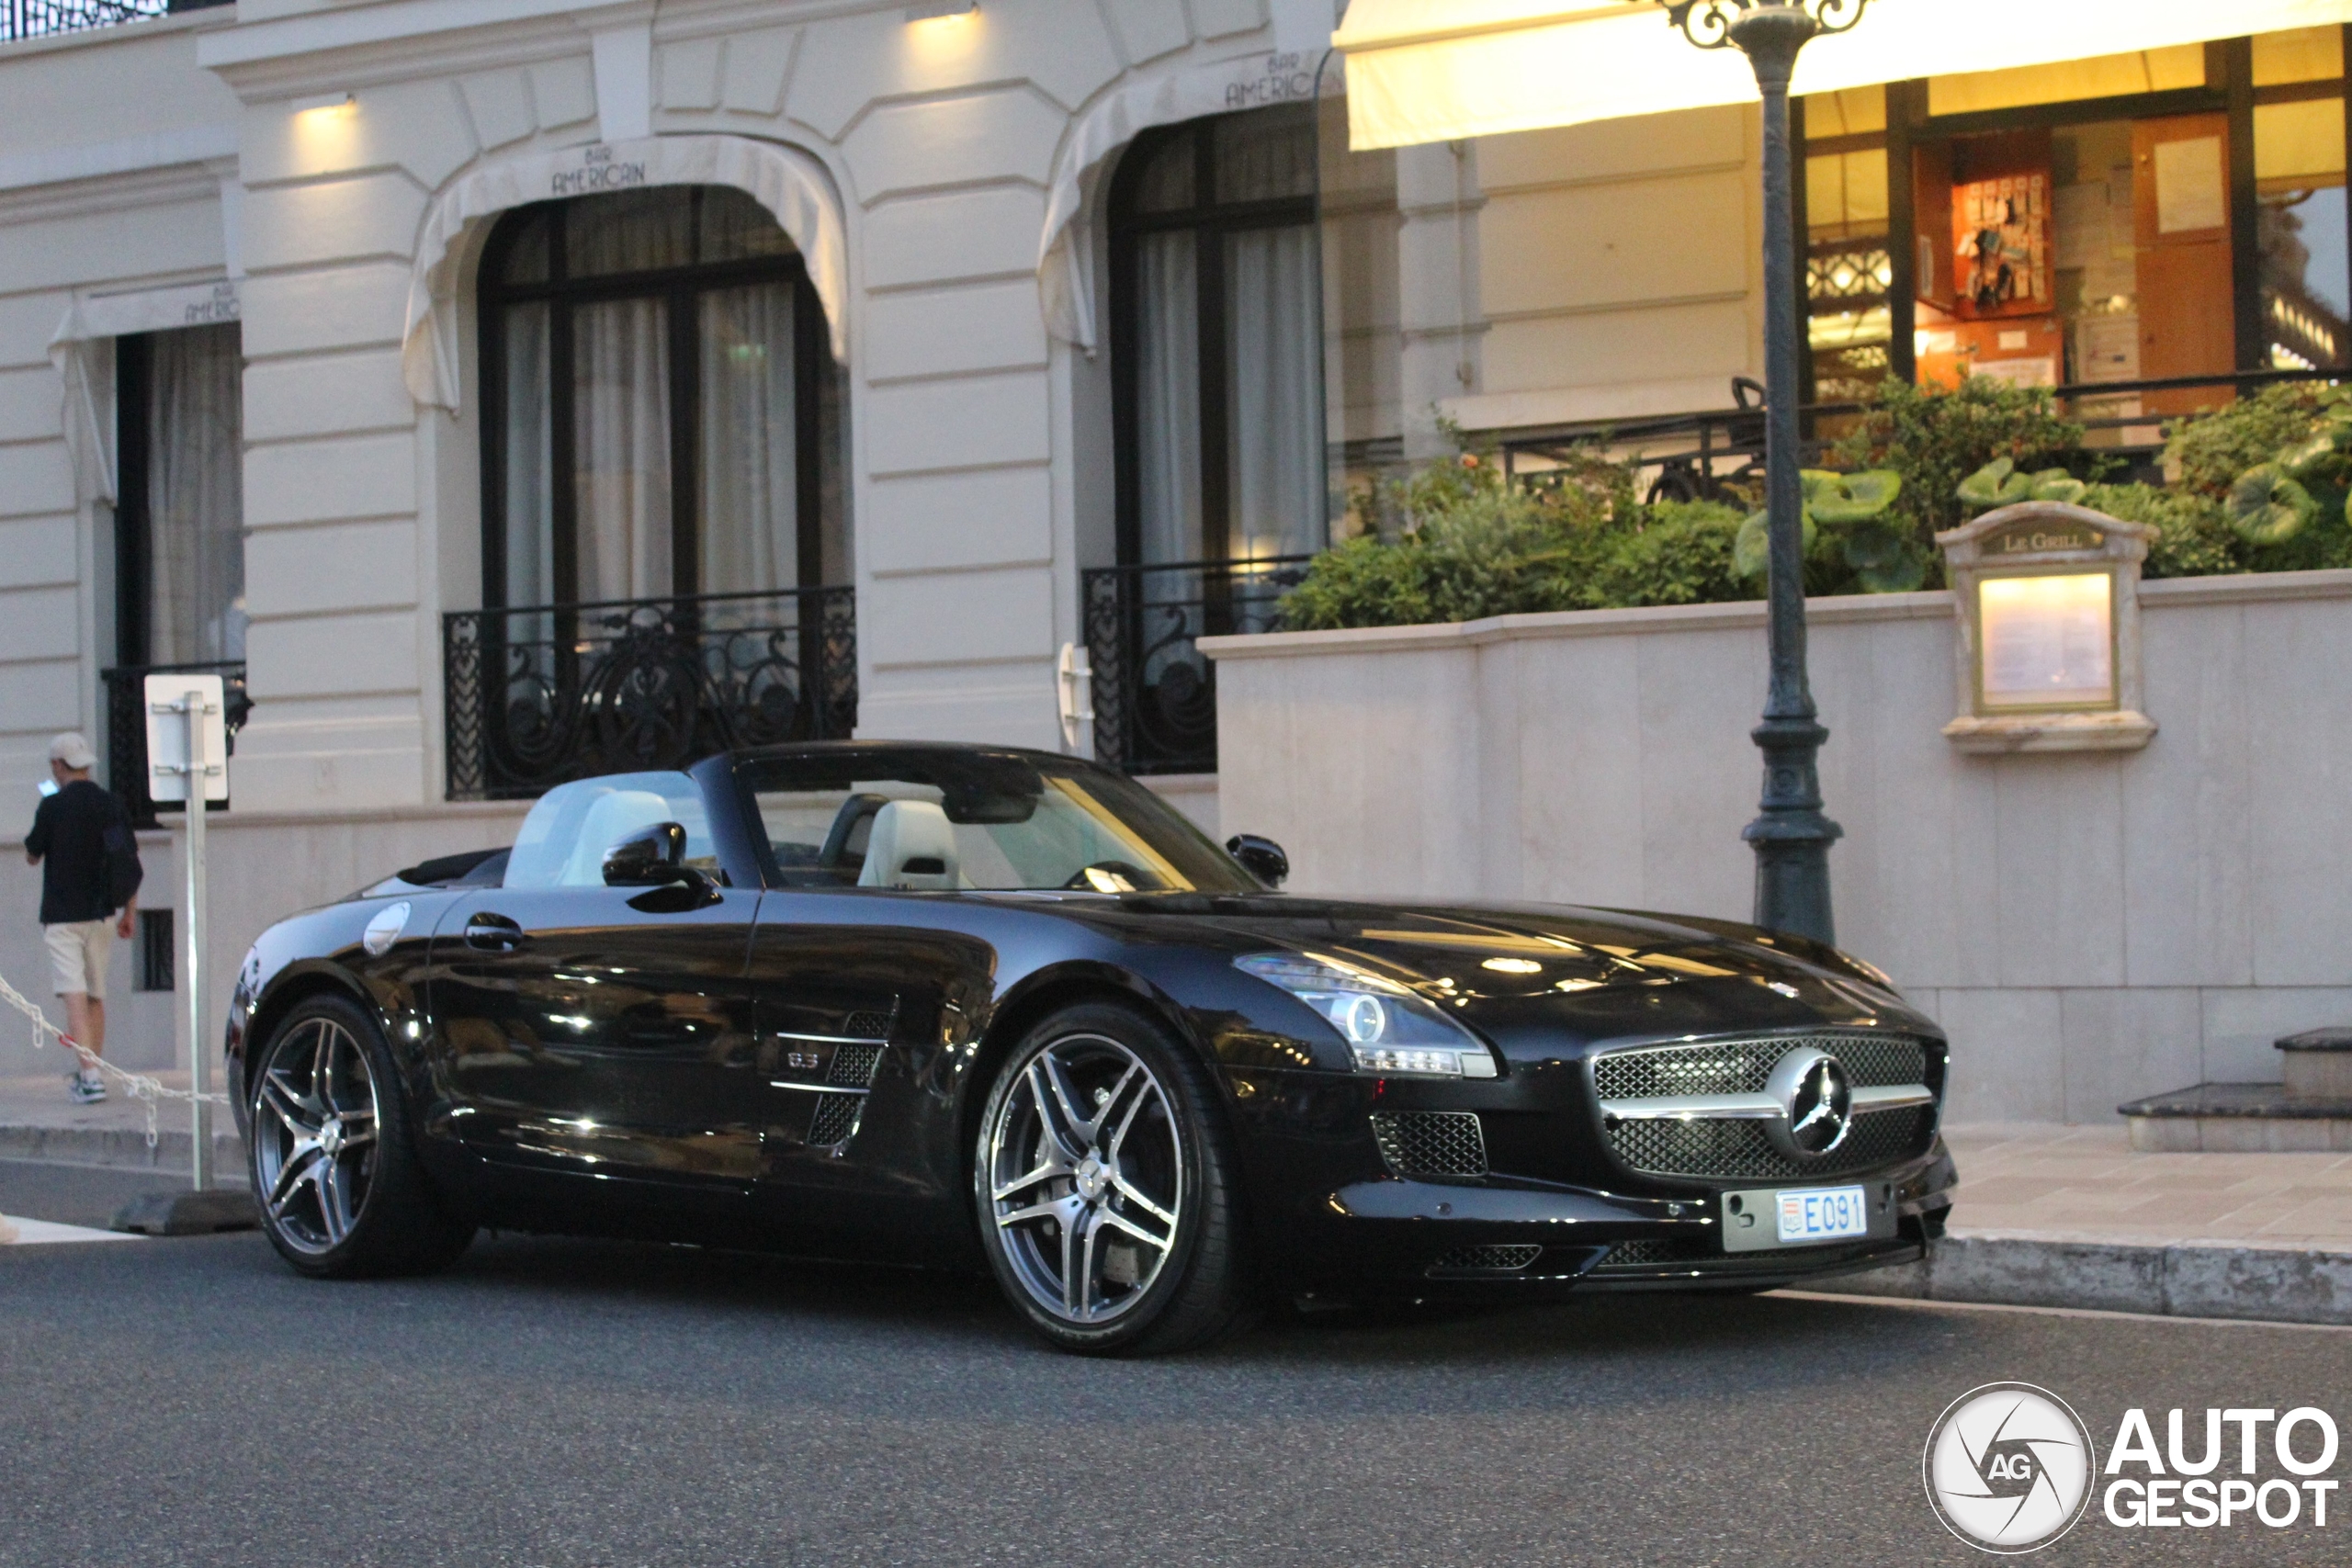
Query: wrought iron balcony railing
[126, 724]
[38, 18]
[1155, 691]
[539, 696]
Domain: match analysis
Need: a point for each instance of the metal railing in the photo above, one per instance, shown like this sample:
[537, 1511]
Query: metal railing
[126, 724]
[1688, 457]
[542, 695]
[40, 18]
[1154, 691]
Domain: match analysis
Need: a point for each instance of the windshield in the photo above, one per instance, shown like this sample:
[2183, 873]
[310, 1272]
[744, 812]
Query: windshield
[982, 820]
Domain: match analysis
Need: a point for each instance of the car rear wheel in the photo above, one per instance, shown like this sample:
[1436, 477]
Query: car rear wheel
[1104, 1183]
[339, 1187]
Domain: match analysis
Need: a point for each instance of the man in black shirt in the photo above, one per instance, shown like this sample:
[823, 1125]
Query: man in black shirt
[80, 885]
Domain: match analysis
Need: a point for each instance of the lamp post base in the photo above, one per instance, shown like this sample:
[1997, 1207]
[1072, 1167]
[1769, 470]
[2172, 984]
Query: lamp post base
[1791, 837]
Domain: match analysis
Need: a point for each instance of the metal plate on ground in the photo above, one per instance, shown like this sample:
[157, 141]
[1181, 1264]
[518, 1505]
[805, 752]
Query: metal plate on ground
[1768, 1218]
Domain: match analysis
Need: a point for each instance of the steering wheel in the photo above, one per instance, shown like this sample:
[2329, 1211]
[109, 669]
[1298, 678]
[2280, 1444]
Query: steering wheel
[1091, 878]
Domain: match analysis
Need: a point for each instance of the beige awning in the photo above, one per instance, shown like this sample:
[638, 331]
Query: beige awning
[1441, 70]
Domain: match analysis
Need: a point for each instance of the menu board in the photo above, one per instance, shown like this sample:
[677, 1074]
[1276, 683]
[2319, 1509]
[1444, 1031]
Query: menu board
[2001, 245]
[2048, 641]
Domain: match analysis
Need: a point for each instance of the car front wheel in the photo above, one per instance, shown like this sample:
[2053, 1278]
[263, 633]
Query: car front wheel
[339, 1187]
[1103, 1180]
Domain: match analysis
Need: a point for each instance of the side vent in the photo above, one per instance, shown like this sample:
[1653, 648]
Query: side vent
[835, 1119]
[1509, 1258]
[1442, 1144]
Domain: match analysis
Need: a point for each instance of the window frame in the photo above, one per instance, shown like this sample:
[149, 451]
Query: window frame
[1210, 221]
[679, 288]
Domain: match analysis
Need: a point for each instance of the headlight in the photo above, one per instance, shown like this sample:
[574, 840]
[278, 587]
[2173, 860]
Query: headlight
[1389, 1029]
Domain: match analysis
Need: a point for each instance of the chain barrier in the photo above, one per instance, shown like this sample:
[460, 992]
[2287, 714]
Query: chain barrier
[148, 1091]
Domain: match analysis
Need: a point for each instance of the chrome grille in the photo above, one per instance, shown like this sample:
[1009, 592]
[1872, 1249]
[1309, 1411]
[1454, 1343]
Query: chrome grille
[835, 1118]
[853, 1066]
[1741, 1150]
[1741, 1067]
[1430, 1143]
[1507, 1258]
[867, 1025]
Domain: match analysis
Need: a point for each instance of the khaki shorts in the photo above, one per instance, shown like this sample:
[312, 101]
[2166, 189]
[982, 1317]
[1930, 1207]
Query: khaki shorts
[77, 955]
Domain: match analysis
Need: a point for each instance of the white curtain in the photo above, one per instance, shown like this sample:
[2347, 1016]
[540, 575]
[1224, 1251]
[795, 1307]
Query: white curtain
[1274, 428]
[196, 496]
[530, 494]
[1168, 398]
[621, 421]
[749, 459]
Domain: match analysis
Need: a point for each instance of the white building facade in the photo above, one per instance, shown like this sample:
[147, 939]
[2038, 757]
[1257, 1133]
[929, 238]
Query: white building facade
[506, 389]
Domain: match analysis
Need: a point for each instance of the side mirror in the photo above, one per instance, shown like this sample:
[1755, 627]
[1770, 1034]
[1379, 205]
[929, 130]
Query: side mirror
[1262, 858]
[655, 857]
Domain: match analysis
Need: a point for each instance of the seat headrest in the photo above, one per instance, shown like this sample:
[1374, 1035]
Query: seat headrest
[911, 844]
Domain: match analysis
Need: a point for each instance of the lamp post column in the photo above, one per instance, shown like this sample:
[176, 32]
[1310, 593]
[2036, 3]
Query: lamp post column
[1790, 836]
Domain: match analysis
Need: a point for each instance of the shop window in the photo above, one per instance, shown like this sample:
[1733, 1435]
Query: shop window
[2305, 54]
[2301, 232]
[1848, 272]
[179, 512]
[661, 411]
[1218, 341]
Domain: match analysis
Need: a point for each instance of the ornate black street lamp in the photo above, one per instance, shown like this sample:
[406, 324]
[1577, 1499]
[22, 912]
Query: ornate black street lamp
[1792, 836]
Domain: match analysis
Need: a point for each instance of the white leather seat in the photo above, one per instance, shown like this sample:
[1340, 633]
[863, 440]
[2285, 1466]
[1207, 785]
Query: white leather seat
[910, 833]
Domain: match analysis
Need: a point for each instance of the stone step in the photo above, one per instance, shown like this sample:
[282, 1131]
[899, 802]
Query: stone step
[2239, 1118]
[2318, 1063]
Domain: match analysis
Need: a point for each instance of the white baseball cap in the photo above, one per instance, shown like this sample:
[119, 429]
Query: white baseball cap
[72, 748]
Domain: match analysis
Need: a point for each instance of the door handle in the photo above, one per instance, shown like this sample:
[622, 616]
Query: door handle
[493, 933]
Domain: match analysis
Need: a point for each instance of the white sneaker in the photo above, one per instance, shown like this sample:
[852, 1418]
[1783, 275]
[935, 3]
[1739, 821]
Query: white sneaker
[86, 1087]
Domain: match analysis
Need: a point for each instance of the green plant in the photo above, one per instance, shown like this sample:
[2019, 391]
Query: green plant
[1881, 556]
[1999, 483]
[2211, 449]
[2193, 538]
[1936, 439]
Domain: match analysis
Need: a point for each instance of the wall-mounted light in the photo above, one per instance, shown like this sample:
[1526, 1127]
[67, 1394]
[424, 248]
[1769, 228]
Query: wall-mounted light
[931, 10]
[325, 102]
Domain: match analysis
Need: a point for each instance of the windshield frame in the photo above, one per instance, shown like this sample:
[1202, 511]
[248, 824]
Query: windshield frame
[1167, 831]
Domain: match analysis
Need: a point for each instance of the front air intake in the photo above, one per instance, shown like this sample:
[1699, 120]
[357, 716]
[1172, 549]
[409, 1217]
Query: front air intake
[1445, 1145]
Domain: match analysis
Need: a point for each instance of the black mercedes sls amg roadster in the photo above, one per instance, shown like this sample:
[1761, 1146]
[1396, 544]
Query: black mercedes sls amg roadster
[976, 1007]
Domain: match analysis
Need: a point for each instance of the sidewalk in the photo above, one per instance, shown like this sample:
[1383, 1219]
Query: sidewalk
[38, 1122]
[2075, 1217]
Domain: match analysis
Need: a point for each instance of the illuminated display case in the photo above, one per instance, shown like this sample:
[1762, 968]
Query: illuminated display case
[2048, 600]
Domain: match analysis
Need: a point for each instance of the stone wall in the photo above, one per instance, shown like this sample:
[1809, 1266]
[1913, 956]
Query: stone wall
[2089, 927]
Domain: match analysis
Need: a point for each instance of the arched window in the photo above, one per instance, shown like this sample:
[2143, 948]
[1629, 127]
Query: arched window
[662, 414]
[1217, 342]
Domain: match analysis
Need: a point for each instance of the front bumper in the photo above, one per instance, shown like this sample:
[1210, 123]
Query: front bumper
[1334, 1221]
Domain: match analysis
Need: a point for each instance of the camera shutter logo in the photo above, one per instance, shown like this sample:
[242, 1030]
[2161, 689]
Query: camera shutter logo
[2009, 1468]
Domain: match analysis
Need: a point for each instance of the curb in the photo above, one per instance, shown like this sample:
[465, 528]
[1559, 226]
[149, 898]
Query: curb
[123, 1148]
[2258, 1284]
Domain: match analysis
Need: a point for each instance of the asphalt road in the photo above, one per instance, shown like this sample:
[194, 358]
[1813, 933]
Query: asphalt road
[576, 1404]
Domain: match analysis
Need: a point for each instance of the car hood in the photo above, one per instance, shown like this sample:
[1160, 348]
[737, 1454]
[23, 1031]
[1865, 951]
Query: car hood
[1598, 973]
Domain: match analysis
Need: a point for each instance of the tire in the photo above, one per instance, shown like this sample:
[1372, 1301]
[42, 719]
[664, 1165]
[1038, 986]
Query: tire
[335, 1175]
[1110, 1220]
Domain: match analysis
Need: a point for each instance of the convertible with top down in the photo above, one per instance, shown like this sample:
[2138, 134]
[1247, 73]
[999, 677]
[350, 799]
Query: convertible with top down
[978, 1007]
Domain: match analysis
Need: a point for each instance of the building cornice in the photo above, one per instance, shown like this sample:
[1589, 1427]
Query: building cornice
[79, 196]
[98, 161]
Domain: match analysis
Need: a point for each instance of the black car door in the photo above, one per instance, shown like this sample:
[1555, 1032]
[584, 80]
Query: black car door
[596, 1030]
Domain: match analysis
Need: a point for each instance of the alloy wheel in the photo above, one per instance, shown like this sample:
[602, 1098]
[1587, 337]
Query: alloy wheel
[314, 1124]
[1085, 1178]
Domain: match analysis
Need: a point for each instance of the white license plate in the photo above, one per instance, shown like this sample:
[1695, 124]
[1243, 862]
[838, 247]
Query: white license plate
[1822, 1214]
